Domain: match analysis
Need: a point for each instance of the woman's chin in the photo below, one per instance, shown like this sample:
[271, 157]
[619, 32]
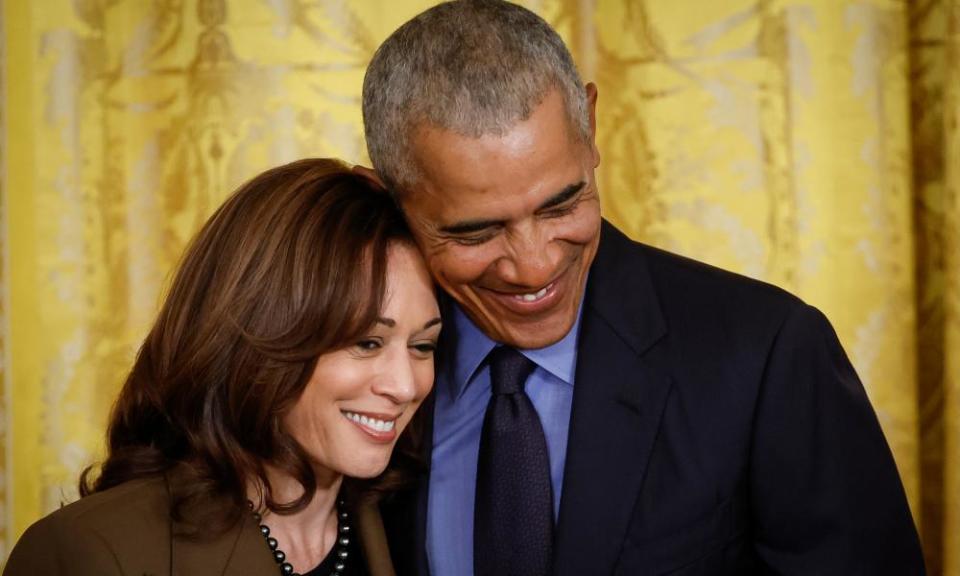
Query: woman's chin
[366, 470]
[363, 466]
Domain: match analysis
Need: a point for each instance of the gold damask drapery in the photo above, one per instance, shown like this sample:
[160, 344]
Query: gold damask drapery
[809, 143]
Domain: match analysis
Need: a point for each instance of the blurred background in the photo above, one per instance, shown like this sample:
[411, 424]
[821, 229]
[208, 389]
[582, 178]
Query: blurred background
[813, 144]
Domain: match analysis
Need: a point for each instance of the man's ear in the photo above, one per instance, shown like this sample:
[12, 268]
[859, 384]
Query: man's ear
[591, 89]
[370, 175]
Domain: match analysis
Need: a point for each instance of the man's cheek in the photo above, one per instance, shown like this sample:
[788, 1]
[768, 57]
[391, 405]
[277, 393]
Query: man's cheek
[446, 271]
[460, 267]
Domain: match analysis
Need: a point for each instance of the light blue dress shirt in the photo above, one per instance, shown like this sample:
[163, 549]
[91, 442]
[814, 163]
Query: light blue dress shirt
[462, 393]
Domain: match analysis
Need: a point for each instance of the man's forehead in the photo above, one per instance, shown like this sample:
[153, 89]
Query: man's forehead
[461, 178]
[548, 122]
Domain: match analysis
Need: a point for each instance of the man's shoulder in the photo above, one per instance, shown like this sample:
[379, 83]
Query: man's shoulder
[683, 283]
[692, 300]
[685, 276]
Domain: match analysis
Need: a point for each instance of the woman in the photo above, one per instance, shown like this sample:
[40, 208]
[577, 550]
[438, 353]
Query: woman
[294, 347]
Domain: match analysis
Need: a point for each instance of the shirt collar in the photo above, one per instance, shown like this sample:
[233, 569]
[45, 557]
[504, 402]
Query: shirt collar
[471, 346]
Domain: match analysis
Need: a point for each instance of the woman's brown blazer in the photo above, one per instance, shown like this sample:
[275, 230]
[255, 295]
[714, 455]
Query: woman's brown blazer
[127, 531]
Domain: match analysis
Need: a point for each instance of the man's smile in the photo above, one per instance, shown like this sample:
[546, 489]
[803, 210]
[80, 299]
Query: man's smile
[531, 301]
[534, 296]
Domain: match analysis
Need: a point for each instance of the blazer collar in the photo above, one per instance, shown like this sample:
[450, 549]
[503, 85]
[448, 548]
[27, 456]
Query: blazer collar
[621, 291]
[622, 383]
[241, 551]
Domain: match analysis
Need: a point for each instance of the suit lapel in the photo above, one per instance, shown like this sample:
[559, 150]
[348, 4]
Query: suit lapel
[249, 555]
[241, 551]
[622, 383]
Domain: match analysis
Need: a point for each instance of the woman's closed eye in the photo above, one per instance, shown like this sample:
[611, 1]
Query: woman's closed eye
[425, 348]
[368, 345]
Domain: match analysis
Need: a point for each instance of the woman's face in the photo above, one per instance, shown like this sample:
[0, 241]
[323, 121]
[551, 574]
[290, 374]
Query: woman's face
[360, 398]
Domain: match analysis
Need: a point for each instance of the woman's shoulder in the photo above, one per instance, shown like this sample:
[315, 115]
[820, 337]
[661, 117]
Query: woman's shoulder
[130, 504]
[96, 531]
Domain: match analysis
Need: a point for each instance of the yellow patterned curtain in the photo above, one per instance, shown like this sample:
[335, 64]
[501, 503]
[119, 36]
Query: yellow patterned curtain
[810, 143]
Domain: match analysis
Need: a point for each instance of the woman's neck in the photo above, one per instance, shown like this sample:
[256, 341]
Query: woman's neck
[307, 536]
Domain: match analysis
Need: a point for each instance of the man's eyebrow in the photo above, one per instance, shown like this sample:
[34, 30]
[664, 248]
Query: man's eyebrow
[470, 226]
[562, 196]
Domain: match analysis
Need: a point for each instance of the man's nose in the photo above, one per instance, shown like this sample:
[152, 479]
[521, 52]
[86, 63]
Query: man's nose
[532, 258]
[395, 378]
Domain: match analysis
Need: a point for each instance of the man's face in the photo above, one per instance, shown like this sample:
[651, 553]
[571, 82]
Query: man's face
[509, 225]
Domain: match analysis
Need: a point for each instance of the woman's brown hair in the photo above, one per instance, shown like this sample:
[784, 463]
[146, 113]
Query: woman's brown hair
[293, 265]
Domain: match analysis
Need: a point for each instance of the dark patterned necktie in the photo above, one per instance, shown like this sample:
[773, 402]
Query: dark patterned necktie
[513, 514]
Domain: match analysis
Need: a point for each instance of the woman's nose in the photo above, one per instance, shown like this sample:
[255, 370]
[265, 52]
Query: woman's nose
[396, 378]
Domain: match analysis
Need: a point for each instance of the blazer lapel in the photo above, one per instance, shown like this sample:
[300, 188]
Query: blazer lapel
[622, 383]
[241, 551]
[249, 555]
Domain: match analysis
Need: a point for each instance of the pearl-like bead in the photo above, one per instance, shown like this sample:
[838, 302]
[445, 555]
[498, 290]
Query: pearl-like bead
[340, 552]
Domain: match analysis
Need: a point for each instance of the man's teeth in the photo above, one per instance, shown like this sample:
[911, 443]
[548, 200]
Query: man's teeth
[371, 423]
[533, 297]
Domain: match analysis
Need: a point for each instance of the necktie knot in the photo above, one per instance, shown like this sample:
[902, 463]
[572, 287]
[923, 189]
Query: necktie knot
[509, 370]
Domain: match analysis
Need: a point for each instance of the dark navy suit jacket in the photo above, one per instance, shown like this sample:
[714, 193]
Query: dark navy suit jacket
[717, 429]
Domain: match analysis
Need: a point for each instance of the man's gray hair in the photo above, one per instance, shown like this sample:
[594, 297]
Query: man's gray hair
[474, 67]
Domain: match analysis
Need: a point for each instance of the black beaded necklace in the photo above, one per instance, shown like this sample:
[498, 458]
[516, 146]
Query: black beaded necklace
[340, 550]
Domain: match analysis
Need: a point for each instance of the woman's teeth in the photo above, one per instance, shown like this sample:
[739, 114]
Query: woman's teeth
[533, 297]
[371, 423]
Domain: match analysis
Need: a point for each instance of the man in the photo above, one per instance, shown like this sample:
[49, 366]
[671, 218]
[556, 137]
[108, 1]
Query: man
[602, 407]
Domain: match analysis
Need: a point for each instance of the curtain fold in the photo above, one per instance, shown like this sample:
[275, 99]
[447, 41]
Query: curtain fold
[813, 144]
[934, 26]
[4, 346]
[950, 494]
